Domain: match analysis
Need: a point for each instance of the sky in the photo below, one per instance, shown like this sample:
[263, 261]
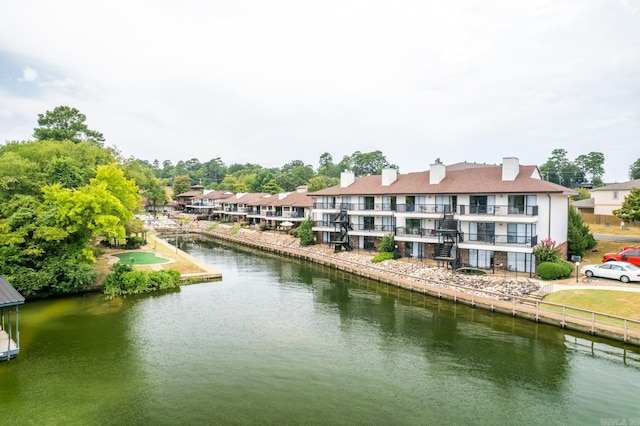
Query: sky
[269, 82]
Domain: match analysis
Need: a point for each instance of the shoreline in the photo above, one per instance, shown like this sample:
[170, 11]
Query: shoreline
[515, 296]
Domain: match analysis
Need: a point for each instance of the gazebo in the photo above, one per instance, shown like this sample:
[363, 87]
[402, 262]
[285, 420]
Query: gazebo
[9, 301]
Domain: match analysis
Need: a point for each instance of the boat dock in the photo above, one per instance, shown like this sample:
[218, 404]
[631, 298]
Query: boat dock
[9, 301]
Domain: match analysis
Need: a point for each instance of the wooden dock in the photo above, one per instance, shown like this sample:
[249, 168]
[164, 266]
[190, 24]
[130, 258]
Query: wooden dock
[8, 348]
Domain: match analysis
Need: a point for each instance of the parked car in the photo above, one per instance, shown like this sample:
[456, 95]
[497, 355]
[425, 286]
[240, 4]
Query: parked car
[623, 271]
[631, 255]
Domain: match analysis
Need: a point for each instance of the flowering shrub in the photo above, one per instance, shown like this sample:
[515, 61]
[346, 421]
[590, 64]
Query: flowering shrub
[546, 251]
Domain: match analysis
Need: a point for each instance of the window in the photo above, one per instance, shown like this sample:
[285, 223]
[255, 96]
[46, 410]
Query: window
[410, 201]
[368, 223]
[412, 226]
[521, 262]
[369, 203]
[480, 231]
[480, 258]
[615, 195]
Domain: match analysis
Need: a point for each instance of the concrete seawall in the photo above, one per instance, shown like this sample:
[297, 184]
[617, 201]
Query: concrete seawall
[524, 307]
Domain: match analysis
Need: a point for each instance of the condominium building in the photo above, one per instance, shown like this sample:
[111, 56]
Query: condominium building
[486, 216]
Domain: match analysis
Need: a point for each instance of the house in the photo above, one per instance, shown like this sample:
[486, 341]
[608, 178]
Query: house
[283, 210]
[238, 207]
[208, 203]
[610, 197]
[478, 215]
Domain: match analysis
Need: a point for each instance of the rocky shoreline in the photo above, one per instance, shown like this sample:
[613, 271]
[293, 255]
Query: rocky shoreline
[415, 272]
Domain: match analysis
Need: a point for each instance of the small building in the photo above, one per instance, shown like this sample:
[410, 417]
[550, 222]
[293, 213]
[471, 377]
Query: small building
[9, 301]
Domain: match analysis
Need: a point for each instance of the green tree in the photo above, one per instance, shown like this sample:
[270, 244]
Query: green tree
[327, 168]
[305, 232]
[181, 184]
[272, 187]
[583, 194]
[365, 164]
[579, 238]
[592, 166]
[634, 170]
[630, 210]
[65, 123]
[321, 182]
[294, 174]
[560, 170]
[63, 170]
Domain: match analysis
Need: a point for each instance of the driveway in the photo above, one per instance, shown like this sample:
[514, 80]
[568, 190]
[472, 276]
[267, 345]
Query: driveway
[621, 238]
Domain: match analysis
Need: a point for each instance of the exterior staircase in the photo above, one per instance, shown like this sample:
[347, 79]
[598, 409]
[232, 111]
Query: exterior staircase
[448, 237]
[341, 221]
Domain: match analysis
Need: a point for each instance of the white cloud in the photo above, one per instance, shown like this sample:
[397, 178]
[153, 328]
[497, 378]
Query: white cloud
[29, 74]
[269, 82]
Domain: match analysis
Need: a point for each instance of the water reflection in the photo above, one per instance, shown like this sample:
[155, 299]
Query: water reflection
[281, 341]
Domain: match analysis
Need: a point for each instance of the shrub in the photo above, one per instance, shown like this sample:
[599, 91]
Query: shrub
[305, 232]
[234, 230]
[212, 226]
[381, 257]
[133, 242]
[387, 244]
[555, 270]
[124, 280]
[546, 251]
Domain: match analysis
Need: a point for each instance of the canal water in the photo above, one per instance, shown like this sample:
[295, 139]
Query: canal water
[285, 342]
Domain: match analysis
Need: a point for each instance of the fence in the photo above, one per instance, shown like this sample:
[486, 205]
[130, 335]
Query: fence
[605, 219]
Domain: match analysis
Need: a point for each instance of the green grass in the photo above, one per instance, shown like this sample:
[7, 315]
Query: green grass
[618, 303]
[140, 258]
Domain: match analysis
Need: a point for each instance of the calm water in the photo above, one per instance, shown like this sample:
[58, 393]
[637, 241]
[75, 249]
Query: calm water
[285, 342]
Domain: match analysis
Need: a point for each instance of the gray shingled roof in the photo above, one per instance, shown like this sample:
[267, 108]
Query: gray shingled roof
[9, 296]
[619, 186]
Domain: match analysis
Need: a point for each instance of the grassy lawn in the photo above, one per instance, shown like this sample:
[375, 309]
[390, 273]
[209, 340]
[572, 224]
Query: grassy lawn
[619, 303]
[595, 255]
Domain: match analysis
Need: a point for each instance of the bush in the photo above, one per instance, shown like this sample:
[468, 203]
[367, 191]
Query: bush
[133, 242]
[387, 244]
[546, 251]
[234, 230]
[555, 270]
[124, 280]
[381, 257]
[305, 233]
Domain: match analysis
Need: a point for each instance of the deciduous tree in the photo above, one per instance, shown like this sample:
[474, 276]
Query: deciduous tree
[630, 210]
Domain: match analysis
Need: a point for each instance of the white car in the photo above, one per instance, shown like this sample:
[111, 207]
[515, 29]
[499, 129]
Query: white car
[623, 271]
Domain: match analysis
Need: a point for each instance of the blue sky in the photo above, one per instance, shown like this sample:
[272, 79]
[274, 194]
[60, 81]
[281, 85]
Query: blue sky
[271, 82]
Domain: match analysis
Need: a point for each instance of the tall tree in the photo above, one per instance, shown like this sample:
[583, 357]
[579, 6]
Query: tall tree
[592, 166]
[365, 164]
[65, 123]
[579, 238]
[559, 169]
[634, 170]
[294, 174]
[327, 167]
[181, 184]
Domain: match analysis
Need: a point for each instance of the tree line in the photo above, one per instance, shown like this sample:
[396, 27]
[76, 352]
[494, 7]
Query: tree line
[64, 193]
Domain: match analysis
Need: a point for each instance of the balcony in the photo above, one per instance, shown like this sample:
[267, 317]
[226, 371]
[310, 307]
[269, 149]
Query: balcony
[332, 206]
[498, 239]
[372, 228]
[402, 231]
[494, 210]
